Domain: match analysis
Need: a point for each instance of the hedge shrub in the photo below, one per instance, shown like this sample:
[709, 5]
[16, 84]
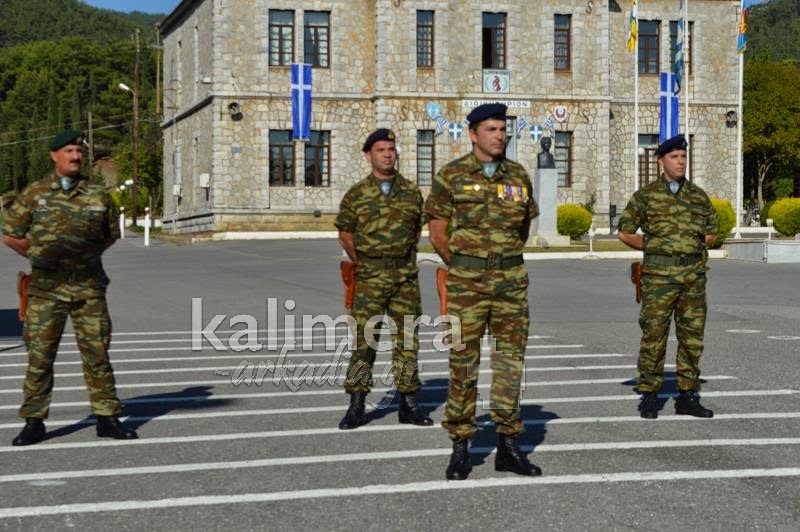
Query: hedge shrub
[573, 220]
[726, 220]
[785, 214]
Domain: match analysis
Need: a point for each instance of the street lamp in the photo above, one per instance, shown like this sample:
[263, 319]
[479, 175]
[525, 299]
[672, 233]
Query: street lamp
[135, 149]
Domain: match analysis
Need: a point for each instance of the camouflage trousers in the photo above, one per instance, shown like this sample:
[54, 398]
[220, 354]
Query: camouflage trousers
[501, 304]
[396, 296]
[662, 298]
[44, 325]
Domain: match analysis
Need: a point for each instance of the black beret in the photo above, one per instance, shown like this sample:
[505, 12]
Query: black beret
[485, 112]
[375, 136]
[68, 136]
[675, 143]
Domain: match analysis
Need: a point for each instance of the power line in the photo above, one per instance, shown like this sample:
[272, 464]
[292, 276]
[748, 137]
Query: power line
[51, 136]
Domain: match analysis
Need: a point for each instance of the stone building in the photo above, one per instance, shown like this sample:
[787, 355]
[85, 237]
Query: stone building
[418, 65]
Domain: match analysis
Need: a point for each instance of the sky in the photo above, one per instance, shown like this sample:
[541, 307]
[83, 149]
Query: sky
[166, 6]
[146, 6]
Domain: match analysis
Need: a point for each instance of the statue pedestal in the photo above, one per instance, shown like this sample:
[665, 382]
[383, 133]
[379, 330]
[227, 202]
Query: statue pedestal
[543, 227]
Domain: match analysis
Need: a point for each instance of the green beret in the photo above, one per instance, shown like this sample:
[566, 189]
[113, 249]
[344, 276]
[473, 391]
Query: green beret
[68, 136]
[377, 135]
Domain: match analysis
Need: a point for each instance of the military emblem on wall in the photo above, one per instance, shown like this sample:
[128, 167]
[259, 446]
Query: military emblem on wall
[560, 113]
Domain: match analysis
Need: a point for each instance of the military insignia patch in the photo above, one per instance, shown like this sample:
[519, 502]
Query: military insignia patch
[512, 193]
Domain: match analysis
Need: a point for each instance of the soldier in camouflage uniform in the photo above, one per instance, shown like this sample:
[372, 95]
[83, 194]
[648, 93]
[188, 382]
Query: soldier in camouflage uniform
[379, 224]
[678, 222]
[481, 207]
[62, 224]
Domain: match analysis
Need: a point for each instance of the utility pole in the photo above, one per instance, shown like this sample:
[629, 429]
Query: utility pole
[91, 144]
[135, 142]
[158, 49]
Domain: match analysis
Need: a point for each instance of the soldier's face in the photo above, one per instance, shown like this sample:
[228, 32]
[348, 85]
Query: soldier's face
[382, 156]
[489, 139]
[67, 160]
[674, 164]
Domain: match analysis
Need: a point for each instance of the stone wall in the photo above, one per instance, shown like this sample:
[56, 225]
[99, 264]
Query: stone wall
[373, 81]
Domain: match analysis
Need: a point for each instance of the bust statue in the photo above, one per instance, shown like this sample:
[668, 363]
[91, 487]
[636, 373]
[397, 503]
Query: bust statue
[545, 157]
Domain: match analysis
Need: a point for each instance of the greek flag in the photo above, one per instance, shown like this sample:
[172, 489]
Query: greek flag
[441, 124]
[669, 108]
[521, 125]
[550, 125]
[301, 101]
[677, 66]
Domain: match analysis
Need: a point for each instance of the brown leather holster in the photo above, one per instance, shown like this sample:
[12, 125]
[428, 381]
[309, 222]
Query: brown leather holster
[441, 289]
[348, 270]
[636, 279]
[23, 280]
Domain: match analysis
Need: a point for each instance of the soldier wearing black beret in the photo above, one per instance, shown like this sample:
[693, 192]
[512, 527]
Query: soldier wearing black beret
[481, 206]
[379, 222]
[677, 222]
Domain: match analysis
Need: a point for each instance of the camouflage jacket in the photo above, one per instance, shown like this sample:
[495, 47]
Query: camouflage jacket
[67, 232]
[383, 227]
[485, 215]
[672, 224]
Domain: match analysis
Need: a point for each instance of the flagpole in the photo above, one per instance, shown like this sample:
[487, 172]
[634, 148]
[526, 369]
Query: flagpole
[636, 105]
[686, 53]
[739, 169]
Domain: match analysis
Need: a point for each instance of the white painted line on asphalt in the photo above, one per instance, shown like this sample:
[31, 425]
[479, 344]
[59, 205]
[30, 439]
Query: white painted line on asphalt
[743, 331]
[337, 391]
[388, 455]
[394, 489]
[198, 400]
[784, 337]
[244, 353]
[330, 431]
[226, 370]
[113, 351]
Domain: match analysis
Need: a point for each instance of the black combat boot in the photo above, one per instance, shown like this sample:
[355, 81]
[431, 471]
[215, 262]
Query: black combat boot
[111, 427]
[510, 458]
[354, 417]
[687, 404]
[460, 466]
[32, 432]
[649, 405]
[410, 412]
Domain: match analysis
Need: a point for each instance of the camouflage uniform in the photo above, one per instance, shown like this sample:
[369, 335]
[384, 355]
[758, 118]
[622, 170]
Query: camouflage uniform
[487, 288]
[385, 233]
[674, 277]
[67, 231]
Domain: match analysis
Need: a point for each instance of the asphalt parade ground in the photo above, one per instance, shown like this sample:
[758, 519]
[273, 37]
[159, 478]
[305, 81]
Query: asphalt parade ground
[224, 447]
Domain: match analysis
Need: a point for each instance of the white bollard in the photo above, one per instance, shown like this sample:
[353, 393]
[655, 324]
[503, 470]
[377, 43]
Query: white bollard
[147, 226]
[122, 222]
[769, 228]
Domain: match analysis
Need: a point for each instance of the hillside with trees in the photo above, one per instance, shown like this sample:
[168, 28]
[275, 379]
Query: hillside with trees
[772, 102]
[61, 66]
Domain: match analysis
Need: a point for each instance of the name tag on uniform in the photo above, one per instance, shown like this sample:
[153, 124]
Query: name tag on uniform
[95, 208]
[512, 193]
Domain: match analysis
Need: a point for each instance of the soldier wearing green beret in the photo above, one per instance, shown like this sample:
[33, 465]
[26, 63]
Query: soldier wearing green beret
[678, 222]
[379, 222]
[481, 207]
[63, 224]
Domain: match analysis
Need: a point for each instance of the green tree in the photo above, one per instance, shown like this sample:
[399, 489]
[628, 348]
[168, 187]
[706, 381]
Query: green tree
[771, 119]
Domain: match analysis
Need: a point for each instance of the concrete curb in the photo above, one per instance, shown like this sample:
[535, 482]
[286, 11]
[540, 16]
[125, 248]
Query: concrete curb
[545, 255]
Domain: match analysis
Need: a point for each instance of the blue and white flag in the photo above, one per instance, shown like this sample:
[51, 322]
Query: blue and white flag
[301, 101]
[456, 130]
[536, 132]
[677, 66]
[669, 108]
[550, 125]
[521, 125]
[441, 125]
